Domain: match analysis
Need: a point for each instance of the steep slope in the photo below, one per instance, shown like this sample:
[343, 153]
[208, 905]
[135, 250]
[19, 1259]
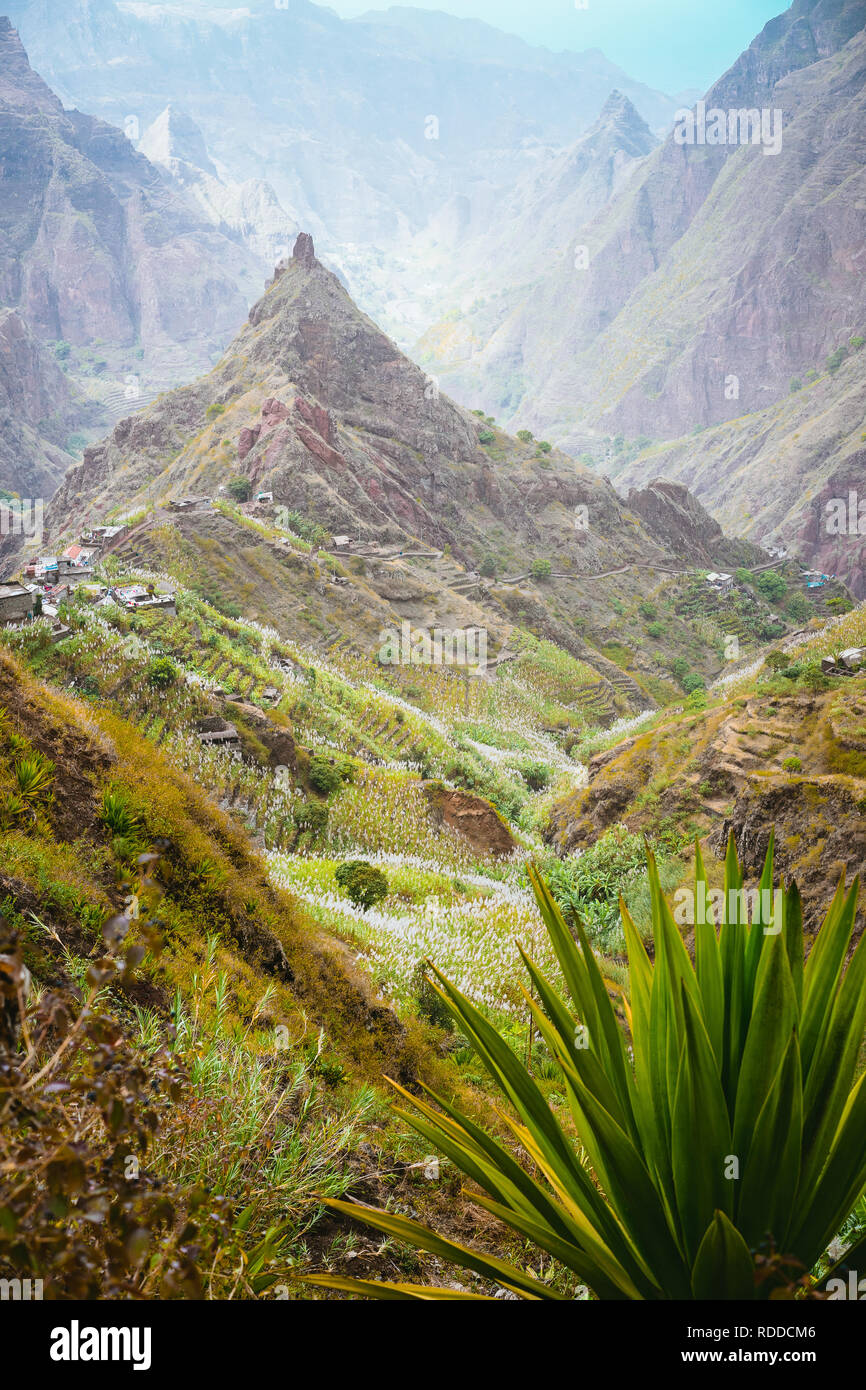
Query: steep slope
[453, 522]
[278, 1039]
[249, 212]
[782, 473]
[537, 224]
[779, 751]
[95, 248]
[38, 411]
[315, 404]
[680, 320]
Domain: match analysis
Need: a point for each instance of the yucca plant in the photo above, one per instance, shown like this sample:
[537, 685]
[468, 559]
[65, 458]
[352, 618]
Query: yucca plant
[722, 1149]
[34, 776]
[118, 816]
[13, 809]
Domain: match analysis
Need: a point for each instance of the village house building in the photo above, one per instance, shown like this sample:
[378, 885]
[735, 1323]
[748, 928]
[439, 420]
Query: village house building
[16, 602]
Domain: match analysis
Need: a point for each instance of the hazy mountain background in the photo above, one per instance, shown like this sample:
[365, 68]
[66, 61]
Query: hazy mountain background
[521, 222]
[335, 116]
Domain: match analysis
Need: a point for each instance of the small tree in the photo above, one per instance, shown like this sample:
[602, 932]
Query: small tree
[800, 608]
[240, 488]
[363, 883]
[771, 585]
[488, 566]
[540, 569]
[525, 436]
[324, 774]
[776, 661]
[543, 447]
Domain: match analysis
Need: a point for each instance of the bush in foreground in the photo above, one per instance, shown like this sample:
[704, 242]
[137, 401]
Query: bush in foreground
[725, 1146]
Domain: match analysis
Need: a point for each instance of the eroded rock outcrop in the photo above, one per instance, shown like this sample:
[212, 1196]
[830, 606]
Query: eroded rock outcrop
[475, 819]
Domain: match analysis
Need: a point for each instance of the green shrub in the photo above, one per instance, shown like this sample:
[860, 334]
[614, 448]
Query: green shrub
[240, 488]
[215, 410]
[486, 436]
[543, 447]
[540, 569]
[723, 1135]
[324, 774]
[536, 775]
[119, 817]
[160, 673]
[525, 436]
[799, 608]
[311, 817]
[302, 526]
[771, 584]
[34, 778]
[363, 883]
[792, 764]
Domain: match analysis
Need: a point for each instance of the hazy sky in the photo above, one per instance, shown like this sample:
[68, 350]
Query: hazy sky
[670, 44]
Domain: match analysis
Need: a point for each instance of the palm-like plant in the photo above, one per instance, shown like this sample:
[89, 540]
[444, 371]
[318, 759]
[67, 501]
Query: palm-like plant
[34, 776]
[733, 1121]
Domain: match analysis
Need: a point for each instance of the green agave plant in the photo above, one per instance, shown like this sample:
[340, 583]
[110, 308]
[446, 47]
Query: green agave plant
[732, 1123]
[34, 777]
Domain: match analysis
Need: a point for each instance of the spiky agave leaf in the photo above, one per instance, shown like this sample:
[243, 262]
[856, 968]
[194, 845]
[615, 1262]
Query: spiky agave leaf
[736, 1118]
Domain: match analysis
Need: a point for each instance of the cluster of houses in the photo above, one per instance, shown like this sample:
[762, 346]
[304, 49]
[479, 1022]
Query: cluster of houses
[49, 580]
[812, 579]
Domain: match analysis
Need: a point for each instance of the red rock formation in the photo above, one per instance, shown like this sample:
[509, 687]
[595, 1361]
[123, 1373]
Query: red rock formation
[249, 438]
[316, 417]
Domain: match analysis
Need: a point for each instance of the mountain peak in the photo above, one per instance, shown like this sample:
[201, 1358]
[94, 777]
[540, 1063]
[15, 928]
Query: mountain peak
[20, 86]
[175, 135]
[304, 251]
[618, 110]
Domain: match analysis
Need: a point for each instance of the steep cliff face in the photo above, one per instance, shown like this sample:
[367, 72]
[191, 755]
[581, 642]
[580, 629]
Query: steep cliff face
[793, 473]
[537, 226]
[94, 245]
[676, 518]
[37, 412]
[720, 270]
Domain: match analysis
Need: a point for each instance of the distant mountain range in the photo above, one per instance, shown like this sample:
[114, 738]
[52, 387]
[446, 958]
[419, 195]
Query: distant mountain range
[527, 224]
[713, 275]
[367, 130]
